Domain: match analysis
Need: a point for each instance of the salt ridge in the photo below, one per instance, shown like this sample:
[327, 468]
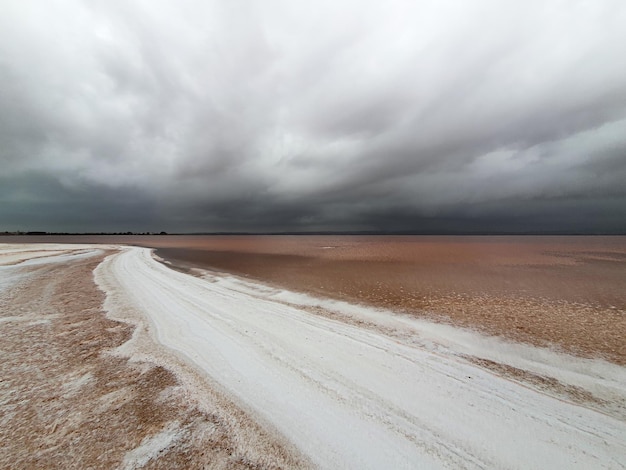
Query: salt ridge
[352, 397]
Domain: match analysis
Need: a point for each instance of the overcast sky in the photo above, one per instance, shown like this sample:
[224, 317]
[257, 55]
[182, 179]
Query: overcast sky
[275, 115]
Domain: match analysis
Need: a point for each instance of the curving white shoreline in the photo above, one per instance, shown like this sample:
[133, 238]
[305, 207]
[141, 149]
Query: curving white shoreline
[348, 397]
[353, 397]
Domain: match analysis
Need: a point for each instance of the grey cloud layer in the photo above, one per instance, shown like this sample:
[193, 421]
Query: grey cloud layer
[282, 115]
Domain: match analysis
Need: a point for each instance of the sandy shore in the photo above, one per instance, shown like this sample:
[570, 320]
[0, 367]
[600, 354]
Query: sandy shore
[77, 392]
[142, 366]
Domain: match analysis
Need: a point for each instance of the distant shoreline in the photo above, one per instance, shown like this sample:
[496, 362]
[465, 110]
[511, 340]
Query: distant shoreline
[309, 234]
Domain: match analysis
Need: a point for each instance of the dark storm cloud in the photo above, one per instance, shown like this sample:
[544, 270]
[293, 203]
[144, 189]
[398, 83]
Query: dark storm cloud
[34, 201]
[278, 115]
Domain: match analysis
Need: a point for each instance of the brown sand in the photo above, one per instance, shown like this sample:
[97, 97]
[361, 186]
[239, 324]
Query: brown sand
[67, 402]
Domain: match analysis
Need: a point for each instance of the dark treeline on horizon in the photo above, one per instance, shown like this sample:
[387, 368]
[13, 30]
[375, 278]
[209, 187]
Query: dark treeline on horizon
[19, 232]
[318, 233]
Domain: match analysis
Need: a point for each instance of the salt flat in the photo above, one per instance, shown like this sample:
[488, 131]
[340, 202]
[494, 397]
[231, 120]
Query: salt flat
[353, 397]
[352, 387]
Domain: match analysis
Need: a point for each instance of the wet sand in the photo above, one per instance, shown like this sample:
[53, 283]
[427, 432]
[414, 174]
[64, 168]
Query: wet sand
[556, 291]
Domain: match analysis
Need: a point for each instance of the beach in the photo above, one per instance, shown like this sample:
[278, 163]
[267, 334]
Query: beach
[219, 353]
[78, 393]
